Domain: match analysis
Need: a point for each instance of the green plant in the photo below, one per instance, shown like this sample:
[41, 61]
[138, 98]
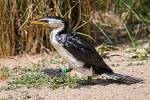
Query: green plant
[34, 77]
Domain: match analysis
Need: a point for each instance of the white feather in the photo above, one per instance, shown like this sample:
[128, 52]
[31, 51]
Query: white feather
[62, 51]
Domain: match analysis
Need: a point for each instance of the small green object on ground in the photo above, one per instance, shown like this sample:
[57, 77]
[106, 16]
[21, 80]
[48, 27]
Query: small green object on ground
[65, 70]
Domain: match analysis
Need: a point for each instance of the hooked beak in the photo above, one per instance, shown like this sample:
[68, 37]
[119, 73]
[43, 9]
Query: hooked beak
[43, 22]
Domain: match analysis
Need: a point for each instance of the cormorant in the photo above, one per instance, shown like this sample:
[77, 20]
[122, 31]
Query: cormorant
[77, 51]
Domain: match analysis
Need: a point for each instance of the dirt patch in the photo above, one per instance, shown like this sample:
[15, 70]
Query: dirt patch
[118, 60]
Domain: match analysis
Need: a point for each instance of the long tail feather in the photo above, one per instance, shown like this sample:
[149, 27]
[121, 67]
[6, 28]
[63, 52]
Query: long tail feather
[124, 78]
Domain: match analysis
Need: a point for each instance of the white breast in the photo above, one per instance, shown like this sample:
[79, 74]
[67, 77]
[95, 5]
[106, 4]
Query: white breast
[63, 52]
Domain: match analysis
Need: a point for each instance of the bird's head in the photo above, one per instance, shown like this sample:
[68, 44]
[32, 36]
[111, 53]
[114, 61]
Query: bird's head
[53, 22]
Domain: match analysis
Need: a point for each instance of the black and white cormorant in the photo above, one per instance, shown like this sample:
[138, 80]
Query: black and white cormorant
[77, 51]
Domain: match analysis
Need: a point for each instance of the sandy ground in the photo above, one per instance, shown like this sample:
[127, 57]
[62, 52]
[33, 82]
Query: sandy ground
[101, 91]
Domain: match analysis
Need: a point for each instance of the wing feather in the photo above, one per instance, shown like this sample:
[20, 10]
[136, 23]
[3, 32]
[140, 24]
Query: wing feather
[82, 50]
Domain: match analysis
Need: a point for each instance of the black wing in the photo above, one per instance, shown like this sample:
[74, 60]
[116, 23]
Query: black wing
[82, 50]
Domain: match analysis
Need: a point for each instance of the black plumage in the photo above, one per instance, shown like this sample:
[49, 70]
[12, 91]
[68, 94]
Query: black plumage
[82, 50]
[69, 44]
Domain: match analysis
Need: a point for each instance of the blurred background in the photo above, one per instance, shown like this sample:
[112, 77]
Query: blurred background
[107, 21]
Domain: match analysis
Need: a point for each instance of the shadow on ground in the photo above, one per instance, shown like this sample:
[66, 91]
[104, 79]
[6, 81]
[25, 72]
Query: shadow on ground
[84, 83]
[102, 82]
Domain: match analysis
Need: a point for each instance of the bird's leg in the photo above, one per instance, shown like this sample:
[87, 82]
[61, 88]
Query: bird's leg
[90, 80]
[90, 76]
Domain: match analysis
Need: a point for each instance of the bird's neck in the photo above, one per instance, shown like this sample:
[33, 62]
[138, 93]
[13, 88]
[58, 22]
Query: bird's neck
[58, 31]
[63, 29]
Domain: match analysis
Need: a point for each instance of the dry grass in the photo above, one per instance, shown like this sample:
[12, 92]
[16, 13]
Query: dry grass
[18, 36]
